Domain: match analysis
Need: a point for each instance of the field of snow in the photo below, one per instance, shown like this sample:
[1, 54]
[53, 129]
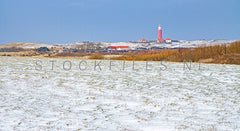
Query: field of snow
[167, 97]
[179, 44]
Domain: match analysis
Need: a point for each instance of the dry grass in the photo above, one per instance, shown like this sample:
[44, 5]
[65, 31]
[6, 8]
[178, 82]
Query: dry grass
[70, 54]
[224, 54]
[228, 54]
[96, 56]
[227, 59]
[22, 53]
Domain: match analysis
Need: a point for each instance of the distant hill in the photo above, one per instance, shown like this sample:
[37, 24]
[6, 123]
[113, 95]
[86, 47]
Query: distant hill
[25, 45]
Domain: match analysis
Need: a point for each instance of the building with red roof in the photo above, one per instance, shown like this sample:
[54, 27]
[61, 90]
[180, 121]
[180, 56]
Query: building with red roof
[118, 48]
[168, 40]
[143, 40]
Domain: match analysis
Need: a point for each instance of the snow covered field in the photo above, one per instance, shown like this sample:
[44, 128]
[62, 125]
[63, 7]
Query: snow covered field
[174, 44]
[179, 44]
[167, 97]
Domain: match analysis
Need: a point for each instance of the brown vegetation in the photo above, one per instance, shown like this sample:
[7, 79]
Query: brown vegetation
[22, 53]
[224, 54]
[11, 49]
[71, 54]
[228, 54]
[96, 56]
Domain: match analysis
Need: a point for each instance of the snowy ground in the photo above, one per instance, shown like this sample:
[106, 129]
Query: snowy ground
[179, 44]
[170, 99]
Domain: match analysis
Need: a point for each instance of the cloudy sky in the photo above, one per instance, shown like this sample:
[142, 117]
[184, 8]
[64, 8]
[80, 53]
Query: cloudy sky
[69, 21]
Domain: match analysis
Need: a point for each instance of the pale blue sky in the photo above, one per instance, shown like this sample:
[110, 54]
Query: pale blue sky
[68, 21]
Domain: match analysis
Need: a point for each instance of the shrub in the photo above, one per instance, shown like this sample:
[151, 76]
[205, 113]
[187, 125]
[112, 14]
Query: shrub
[96, 56]
[218, 53]
[42, 49]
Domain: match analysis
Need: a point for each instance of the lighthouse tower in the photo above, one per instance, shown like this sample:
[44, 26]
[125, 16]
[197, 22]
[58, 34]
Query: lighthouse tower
[160, 39]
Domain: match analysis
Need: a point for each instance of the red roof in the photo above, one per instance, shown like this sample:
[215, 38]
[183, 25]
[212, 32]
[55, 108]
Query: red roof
[142, 40]
[168, 38]
[118, 47]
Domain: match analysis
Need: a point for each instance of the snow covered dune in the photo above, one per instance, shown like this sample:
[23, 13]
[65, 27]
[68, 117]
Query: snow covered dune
[38, 95]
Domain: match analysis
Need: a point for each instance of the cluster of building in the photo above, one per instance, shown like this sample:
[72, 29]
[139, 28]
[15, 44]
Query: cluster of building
[160, 39]
[143, 40]
[142, 44]
[91, 47]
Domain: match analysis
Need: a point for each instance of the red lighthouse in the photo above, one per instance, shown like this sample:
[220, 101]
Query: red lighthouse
[160, 39]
